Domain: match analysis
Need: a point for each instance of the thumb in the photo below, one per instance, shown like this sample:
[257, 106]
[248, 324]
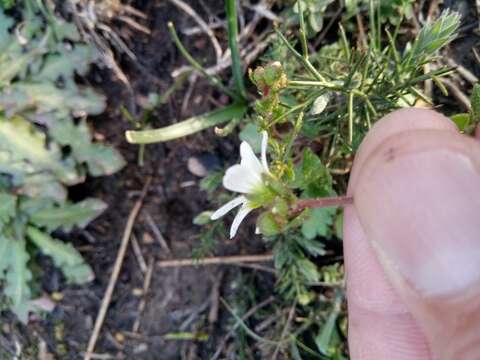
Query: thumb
[418, 201]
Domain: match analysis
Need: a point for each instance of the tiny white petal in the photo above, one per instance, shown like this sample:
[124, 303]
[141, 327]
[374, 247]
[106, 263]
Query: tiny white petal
[264, 151]
[249, 159]
[242, 213]
[257, 230]
[239, 178]
[227, 207]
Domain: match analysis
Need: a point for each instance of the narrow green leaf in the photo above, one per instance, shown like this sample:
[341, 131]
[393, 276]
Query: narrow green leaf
[187, 127]
[17, 289]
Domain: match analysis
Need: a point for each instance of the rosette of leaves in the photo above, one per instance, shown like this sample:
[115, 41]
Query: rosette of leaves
[45, 146]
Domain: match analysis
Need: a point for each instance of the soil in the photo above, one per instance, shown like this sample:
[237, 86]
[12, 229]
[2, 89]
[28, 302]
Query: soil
[178, 299]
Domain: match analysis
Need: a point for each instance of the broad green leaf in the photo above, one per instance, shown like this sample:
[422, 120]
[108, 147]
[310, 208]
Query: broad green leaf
[24, 143]
[64, 256]
[319, 223]
[18, 276]
[313, 177]
[461, 120]
[187, 127]
[66, 64]
[67, 215]
[100, 159]
[46, 97]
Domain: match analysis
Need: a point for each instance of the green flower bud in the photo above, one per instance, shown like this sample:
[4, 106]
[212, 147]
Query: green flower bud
[267, 224]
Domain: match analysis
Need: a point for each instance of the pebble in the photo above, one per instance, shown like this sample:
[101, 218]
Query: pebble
[201, 165]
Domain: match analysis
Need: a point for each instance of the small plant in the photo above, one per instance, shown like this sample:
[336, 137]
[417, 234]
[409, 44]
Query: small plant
[45, 146]
[312, 112]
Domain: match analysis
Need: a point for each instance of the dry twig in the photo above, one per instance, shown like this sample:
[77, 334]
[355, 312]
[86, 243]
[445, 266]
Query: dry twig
[115, 273]
[138, 254]
[143, 302]
[216, 260]
[157, 233]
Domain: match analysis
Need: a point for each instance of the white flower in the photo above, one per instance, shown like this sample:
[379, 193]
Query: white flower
[245, 178]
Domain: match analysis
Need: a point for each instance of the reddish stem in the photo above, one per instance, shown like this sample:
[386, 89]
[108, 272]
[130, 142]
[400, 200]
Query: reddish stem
[322, 202]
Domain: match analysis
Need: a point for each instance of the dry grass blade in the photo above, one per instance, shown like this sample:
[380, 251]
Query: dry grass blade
[193, 14]
[116, 272]
[217, 260]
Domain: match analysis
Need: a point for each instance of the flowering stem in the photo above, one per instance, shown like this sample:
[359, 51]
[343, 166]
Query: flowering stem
[321, 203]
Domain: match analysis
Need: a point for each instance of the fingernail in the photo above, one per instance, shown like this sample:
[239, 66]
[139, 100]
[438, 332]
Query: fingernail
[422, 213]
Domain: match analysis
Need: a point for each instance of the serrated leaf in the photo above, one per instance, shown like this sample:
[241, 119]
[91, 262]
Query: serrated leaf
[66, 64]
[68, 215]
[318, 223]
[46, 97]
[24, 143]
[18, 276]
[100, 159]
[8, 205]
[5, 250]
[65, 256]
[313, 177]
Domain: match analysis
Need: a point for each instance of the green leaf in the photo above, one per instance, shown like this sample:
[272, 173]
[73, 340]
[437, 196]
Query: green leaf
[267, 224]
[475, 103]
[18, 276]
[461, 120]
[203, 218]
[8, 208]
[313, 177]
[66, 64]
[251, 134]
[64, 256]
[100, 159]
[312, 246]
[22, 142]
[324, 339]
[46, 97]
[308, 270]
[435, 35]
[5, 252]
[319, 223]
[187, 127]
[67, 215]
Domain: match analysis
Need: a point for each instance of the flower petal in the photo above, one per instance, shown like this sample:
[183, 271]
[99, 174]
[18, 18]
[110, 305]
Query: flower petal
[264, 151]
[239, 178]
[244, 211]
[227, 207]
[249, 159]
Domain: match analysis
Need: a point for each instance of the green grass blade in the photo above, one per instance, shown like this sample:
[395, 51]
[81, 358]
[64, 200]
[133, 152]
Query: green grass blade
[187, 127]
[233, 44]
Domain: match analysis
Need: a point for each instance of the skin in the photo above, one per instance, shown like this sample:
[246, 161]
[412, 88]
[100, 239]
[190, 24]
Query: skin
[412, 249]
